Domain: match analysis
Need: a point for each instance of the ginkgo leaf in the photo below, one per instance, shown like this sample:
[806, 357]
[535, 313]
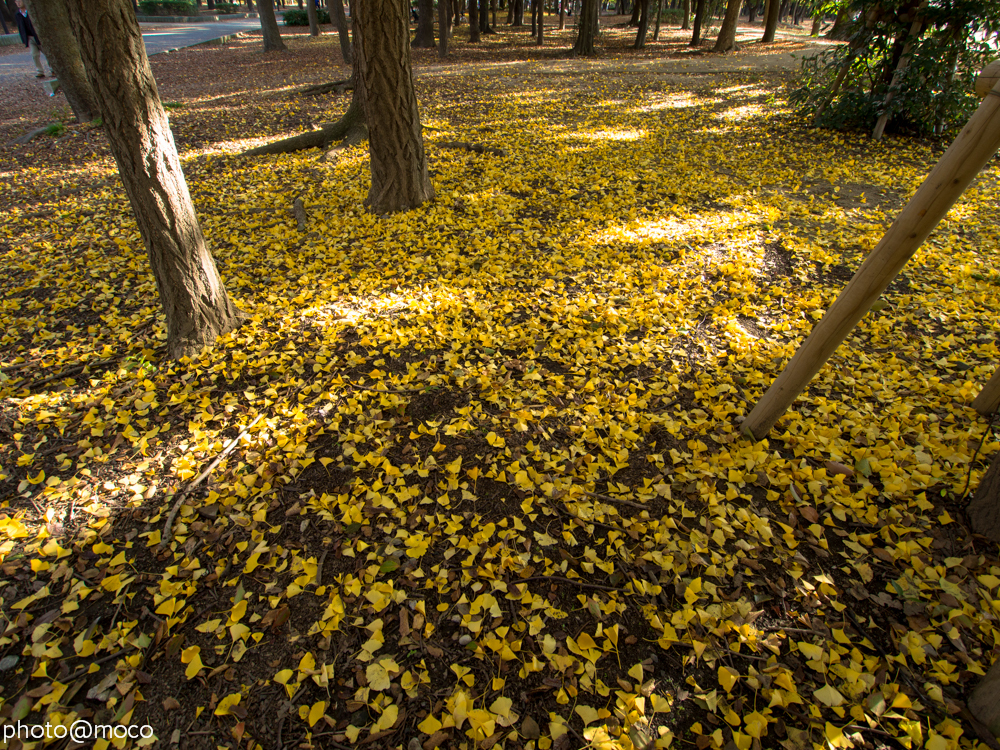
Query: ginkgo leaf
[727, 678]
[828, 696]
[223, 709]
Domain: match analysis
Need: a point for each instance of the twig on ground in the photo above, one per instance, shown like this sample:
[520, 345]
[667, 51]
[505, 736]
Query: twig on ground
[582, 584]
[166, 536]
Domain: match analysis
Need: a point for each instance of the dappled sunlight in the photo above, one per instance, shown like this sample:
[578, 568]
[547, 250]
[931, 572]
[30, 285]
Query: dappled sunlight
[626, 134]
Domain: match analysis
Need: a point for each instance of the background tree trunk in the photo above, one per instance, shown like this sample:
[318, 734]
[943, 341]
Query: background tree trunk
[562, 14]
[656, 29]
[269, 25]
[313, 17]
[473, 21]
[984, 703]
[62, 51]
[443, 31]
[540, 38]
[587, 28]
[425, 24]
[636, 13]
[686, 21]
[194, 300]
[727, 34]
[484, 17]
[770, 22]
[640, 35]
[385, 82]
[839, 30]
[817, 24]
[340, 18]
[699, 17]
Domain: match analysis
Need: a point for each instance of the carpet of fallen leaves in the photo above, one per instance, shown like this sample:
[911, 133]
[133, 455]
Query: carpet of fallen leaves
[474, 472]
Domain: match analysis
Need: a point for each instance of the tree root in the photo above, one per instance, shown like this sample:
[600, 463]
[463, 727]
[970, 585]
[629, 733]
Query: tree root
[347, 128]
[299, 209]
[337, 87]
[475, 147]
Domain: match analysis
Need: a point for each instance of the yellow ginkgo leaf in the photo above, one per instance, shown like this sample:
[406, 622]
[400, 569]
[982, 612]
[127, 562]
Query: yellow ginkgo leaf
[727, 678]
[829, 696]
[316, 712]
[223, 709]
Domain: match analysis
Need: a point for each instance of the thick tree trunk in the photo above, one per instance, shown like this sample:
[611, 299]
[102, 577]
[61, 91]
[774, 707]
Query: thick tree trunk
[640, 35]
[770, 22]
[459, 10]
[269, 25]
[686, 21]
[313, 16]
[400, 179]
[727, 34]
[425, 24]
[62, 51]
[484, 17]
[636, 13]
[518, 8]
[984, 510]
[473, 21]
[194, 300]
[343, 31]
[443, 18]
[984, 703]
[699, 18]
[587, 28]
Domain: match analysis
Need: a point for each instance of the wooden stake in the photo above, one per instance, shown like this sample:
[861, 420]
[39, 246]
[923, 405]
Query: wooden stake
[988, 400]
[972, 149]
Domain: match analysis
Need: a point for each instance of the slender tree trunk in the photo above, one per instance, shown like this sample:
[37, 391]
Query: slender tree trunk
[686, 12]
[194, 300]
[770, 22]
[384, 75]
[562, 14]
[473, 21]
[493, 10]
[484, 17]
[424, 36]
[269, 25]
[916, 29]
[343, 31]
[587, 28]
[727, 34]
[313, 15]
[459, 11]
[636, 13]
[62, 51]
[656, 29]
[839, 30]
[534, 19]
[640, 35]
[817, 24]
[541, 22]
[699, 17]
[443, 28]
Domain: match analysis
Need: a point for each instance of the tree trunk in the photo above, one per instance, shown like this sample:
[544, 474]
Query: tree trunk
[400, 179]
[534, 19]
[640, 35]
[443, 28]
[770, 22]
[484, 17]
[269, 25]
[984, 703]
[541, 22]
[343, 31]
[841, 24]
[194, 300]
[587, 28]
[493, 9]
[916, 29]
[459, 10]
[727, 34]
[686, 20]
[313, 17]
[817, 24]
[636, 13]
[518, 7]
[425, 24]
[62, 51]
[474, 21]
[984, 510]
[699, 17]
[656, 29]
[562, 14]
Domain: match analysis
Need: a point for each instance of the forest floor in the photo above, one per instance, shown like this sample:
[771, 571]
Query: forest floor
[476, 475]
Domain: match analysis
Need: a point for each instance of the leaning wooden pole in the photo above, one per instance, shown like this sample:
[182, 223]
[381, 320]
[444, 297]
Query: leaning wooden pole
[972, 149]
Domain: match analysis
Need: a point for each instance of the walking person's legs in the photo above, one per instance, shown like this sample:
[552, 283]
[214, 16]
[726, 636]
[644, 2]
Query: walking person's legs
[36, 56]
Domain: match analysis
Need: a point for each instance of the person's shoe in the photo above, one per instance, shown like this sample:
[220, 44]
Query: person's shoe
[40, 75]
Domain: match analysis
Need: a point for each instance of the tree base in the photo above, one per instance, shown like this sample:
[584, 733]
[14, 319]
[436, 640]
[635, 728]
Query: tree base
[984, 510]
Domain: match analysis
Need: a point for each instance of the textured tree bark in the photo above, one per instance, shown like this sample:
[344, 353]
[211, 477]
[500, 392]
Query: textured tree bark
[587, 28]
[400, 179]
[425, 24]
[771, 21]
[984, 703]
[686, 21]
[313, 17]
[443, 30]
[62, 51]
[194, 300]
[484, 17]
[699, 17]
[656, 29]
[984, 510]
[817, 24]
[342, 30]
[636, 13]
[562, 14]
[640, 35]
[727, 34]
[269, 25]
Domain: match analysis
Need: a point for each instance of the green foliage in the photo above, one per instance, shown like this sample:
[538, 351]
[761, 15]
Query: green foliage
[56, 129]
[300, 16]
[167, 8]
[932, 95]
[672, 16]
[228, 7]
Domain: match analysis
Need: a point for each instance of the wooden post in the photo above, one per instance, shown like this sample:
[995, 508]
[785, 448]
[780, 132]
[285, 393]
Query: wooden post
[988, 400]
[972, 149]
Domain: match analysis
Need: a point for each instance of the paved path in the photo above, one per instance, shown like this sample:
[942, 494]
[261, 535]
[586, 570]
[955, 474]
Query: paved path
[158, 38]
